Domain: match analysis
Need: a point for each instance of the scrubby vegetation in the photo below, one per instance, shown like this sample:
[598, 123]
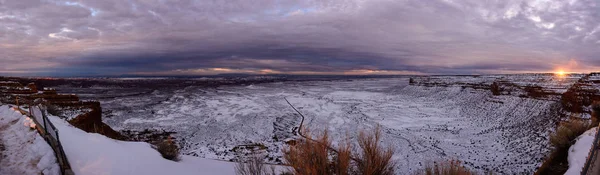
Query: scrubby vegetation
[168, 149]
[566, 133]
[317, 156]
[311, 156]
[452, 167]
[561, 141]
[374, 158]
[254, 165]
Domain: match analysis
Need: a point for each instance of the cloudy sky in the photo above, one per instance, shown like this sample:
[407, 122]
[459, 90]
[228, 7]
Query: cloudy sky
[202, 37]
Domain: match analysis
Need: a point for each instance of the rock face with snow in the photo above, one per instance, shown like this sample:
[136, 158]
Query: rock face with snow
[24, 150]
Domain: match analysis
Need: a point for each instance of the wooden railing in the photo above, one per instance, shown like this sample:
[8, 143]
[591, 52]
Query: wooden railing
[592, 162]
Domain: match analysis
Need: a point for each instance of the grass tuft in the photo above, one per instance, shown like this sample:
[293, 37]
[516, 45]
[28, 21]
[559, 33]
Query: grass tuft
[452, 167]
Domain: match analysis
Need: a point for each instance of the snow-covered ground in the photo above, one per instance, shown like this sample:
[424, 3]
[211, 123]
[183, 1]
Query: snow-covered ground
[24, 150]
[505, 134]
[579, 151]
[94, 154]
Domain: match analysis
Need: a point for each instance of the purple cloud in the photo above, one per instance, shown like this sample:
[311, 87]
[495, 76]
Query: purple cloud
[106, 37]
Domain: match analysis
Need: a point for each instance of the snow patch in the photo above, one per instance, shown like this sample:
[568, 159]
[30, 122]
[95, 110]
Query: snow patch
[25, 151]
[579, 151]
[91, 154]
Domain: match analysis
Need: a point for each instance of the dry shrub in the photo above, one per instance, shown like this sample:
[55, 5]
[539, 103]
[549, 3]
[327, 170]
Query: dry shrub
[310, 156]
[254, 165]
[568, 132]
[317, 157]
[343, 159]
[452, 167]
[374, 159]
[168, 149]
[562, 139]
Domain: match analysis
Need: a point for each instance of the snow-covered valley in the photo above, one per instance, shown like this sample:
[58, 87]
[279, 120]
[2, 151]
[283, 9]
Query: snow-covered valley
[507, 134]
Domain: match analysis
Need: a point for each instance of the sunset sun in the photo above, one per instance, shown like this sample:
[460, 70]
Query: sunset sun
[560, 73]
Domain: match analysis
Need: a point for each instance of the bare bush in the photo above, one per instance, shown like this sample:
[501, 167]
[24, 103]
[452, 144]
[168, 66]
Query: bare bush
[374, 158]
[343, 159]
[452, 167]
[316, 156]
[254, 165]
[310, 156]
[168, 149]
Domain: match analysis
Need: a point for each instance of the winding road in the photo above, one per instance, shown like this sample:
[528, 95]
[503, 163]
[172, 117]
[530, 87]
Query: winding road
[310, 139]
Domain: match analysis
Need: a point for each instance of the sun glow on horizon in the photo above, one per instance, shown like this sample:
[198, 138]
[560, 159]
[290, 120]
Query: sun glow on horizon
[560, 73]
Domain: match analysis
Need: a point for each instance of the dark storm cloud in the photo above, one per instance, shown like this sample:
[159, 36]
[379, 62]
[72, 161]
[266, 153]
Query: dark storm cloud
[105, 37]
[251, 56]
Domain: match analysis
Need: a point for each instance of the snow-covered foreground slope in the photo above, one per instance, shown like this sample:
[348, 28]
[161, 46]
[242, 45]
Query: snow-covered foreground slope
[24, 150]
[579, 151]
[91, 154]
[504, 134]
